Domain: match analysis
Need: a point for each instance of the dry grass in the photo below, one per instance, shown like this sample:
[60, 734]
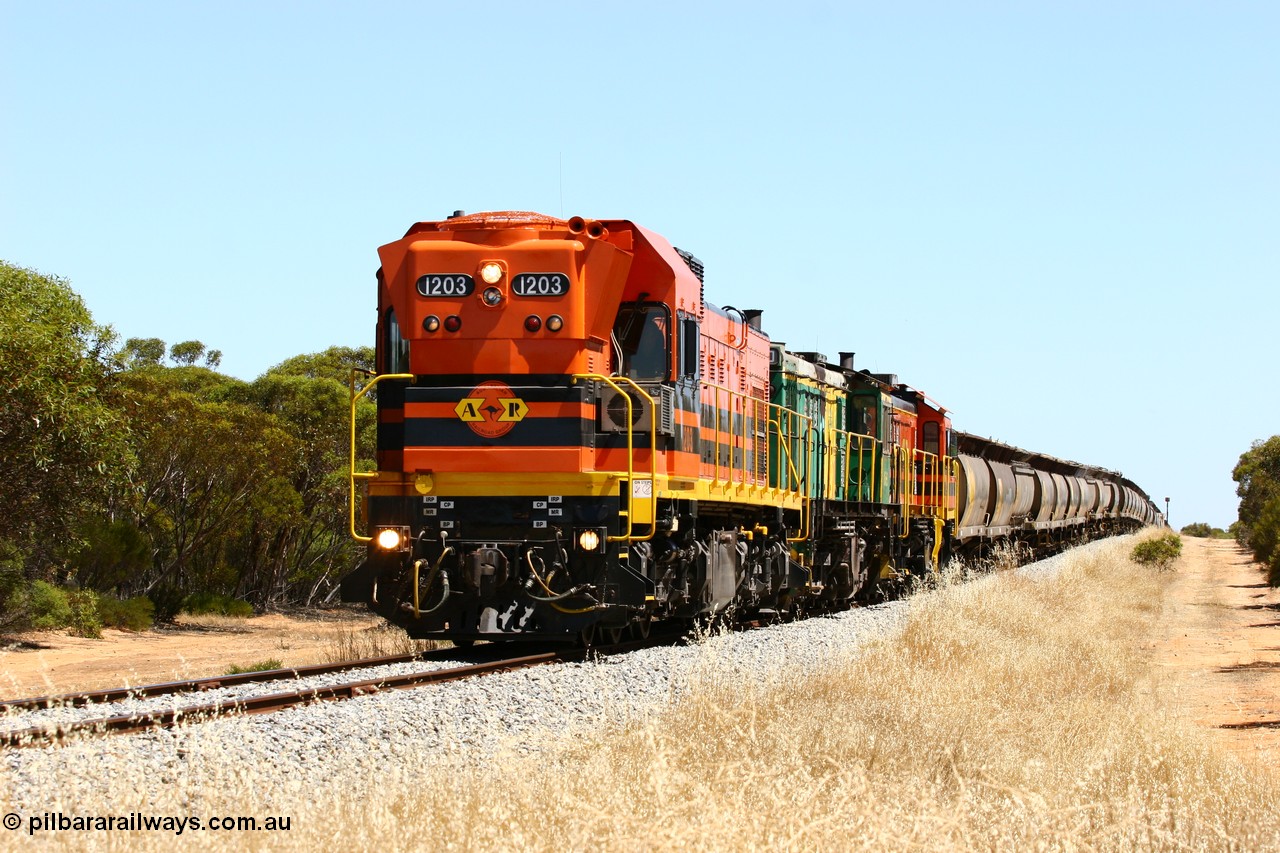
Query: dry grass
[376, 642]
[1010, 714]
[215, 622]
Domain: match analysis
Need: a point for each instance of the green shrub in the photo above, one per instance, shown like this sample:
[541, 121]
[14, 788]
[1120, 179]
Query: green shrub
[1159, 552]
[132, 614]
[260, 666]
[13, 588]
[1264, 536]
[1201, 530]
[198, 603]
[85, 621]
[110, 552]
[167, 601]
[49, 608]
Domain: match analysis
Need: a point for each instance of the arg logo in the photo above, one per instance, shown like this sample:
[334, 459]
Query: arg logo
[491, 409]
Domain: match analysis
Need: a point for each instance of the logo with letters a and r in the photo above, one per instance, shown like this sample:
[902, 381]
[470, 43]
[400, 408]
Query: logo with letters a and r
[491, 409]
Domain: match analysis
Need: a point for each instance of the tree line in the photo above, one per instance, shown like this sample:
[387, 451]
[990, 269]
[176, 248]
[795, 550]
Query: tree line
[137, 469]
[1257, 477]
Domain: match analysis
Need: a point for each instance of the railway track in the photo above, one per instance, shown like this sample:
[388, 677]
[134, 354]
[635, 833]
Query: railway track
[140, 721]
[196, 685]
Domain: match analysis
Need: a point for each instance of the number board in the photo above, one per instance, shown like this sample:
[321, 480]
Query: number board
[446, 285]
[540, 284]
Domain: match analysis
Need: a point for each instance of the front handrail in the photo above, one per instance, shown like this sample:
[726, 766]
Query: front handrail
[352, 473]
[631, 460]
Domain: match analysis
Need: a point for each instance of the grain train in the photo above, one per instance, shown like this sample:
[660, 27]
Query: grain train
[573, 443]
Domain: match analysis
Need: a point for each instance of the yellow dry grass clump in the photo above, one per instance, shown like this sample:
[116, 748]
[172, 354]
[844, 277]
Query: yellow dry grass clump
[1010, 714]
[381, 641]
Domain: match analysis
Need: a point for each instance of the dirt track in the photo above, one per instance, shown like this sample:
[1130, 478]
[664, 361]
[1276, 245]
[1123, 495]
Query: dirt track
[1222, 645]
[53, 662]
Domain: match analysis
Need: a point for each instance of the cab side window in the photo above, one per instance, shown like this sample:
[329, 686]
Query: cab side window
[642, 335]
[689, 344]
[394, 347]
[929, 438]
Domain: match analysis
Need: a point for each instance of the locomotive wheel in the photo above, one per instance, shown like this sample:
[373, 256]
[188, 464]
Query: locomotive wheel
[640, 628]
[464, 643]
[587, 636]
[613, 636]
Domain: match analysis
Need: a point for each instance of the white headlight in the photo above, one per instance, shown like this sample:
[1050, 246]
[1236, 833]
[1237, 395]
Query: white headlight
[491, 273]
[589, 540]
[491, 296]
[389, 540]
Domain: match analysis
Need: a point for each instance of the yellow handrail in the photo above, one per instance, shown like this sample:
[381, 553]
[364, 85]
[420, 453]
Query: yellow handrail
[631, 471]
[937, 484]
[794, 476]
[954, 503]
[352, 473]
[853, 483]
[753, 412]
[902, 480]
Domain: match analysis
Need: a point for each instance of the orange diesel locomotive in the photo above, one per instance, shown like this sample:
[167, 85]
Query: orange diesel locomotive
[573, 442]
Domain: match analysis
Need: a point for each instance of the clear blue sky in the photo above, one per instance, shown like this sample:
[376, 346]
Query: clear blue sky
[1063, 223]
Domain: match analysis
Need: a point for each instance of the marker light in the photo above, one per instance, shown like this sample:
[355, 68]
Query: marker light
[491, 296]
[532, 323]
[431, 324]
[491, 272]
[389, 540]
[589, 540]
[452, 323]
[555, 323]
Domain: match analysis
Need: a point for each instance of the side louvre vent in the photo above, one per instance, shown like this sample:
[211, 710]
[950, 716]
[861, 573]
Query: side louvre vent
[697, 268]
[693, 263]
[666, 399]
